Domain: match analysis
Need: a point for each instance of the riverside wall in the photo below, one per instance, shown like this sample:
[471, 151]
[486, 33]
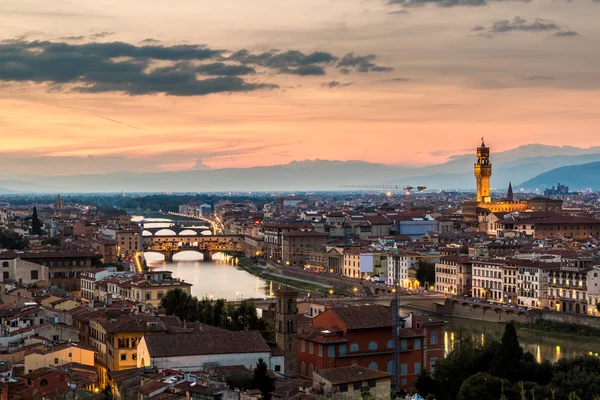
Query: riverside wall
[491, 313]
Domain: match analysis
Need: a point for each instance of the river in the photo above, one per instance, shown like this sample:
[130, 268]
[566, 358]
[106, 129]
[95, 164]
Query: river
[220, 279]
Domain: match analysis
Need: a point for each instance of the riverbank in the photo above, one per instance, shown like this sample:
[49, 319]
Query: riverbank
[300, 284]
[562, 329]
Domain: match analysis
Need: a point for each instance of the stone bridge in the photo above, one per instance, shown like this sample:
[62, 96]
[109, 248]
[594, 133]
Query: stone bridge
[464, 308]
[168, 246]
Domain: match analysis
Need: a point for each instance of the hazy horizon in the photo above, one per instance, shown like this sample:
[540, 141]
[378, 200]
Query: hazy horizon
[193, 85]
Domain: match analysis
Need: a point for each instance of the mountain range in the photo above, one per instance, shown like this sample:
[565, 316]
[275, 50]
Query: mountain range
[529, 166]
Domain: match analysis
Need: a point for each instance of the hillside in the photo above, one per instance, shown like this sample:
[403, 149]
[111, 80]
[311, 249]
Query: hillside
[577, 177]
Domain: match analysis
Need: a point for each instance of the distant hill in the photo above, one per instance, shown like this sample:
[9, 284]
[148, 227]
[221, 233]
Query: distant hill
[517, 166]
[577, 177]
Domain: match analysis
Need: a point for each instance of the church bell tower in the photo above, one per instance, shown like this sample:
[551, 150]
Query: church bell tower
[483, 173]
[286, 330]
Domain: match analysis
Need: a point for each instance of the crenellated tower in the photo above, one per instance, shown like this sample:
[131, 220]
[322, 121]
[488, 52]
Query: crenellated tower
[483, 173]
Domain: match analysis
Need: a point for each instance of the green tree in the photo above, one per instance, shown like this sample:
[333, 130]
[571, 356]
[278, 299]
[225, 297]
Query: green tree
[12, 241]
[425, 384]
[425, 272]
[261, 379]
[51, 242]
[36, 224]
[481, 386]
[508, 360]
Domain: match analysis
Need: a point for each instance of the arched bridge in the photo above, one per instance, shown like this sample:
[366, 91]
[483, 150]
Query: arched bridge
[177, 231]
[207, 245]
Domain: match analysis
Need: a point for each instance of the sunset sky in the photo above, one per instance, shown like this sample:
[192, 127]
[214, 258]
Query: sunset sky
[109, 85]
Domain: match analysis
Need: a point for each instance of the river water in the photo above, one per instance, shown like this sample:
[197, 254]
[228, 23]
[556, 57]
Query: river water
[221, 279]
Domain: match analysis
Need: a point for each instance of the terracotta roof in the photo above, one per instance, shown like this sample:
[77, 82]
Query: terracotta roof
[337, 376]
[309, 234]
[364, 317]
[222, 342]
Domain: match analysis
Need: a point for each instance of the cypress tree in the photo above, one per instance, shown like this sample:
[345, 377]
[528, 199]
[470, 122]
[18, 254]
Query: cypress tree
[36, 224]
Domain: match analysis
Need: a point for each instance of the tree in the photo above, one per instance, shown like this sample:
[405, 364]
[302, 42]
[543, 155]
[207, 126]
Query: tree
[425, 384]
[262, 381]
[36, 224]
[481, 386]
[508, 360]
[51, 242]
[426, 272]
[12, 241]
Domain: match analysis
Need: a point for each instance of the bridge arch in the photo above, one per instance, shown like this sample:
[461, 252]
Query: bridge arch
[188, 232]
[165, 232]
[153, 256]
[146, 233]
[188, 255]
[206, 233]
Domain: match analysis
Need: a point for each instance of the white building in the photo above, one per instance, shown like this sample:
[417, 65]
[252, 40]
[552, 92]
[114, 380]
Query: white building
[398, 265]
[488, 280]
[197, 351]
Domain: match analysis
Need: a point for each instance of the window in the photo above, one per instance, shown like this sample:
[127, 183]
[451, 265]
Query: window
[357, 385]
[331, 351]
[278, 368]
[5, 264]
[343, 388]
[372, 383]
[148, 296]
[303, 368]
[310, 347]
[310, 370]
[302, 346]
[390, 367]
[342, 349]
[373, 346]
[432, 363]
[320, 350]
[123, 357]
[417, 368]
[5, 275]
[373, 366]
[403, 344]
[34, 275]
[434, 337]
[390, 344]
[160, 295]
[55, 338]
[56, 361]
[403, 382]
[43, 382]
[353, 347]
[134, 356]
[403, 369]
[417, 344]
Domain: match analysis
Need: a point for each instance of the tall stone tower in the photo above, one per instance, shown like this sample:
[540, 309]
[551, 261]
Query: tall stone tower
[286, 329]
[483, 173]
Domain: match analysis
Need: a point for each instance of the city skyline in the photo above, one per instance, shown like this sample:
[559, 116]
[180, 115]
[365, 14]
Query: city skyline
[340, 80]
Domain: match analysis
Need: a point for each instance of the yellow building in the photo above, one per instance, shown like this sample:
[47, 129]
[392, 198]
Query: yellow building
[61, 354]
[476, 212]
[155, 285]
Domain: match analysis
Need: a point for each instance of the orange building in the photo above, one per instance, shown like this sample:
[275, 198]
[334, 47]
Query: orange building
[362, 335]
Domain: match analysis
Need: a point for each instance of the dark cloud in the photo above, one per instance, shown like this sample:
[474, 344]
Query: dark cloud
[345, 71]
[478, 28]
[398, 12]
[150, 41]
[399, 80]
[567, 33]
[445, 3]
[361, 63]
[335, 84]
[100, 35]
[440, 3]
[148, 69]
[222, 69]
[72, 38]
[200, 166]
[304, 70]
[524, 25]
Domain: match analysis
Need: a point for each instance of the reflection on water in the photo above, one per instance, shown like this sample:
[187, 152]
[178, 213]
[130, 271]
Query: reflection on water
[216, 279]
[543, 345]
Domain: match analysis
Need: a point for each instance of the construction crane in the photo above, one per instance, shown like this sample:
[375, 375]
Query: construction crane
[406, 189]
